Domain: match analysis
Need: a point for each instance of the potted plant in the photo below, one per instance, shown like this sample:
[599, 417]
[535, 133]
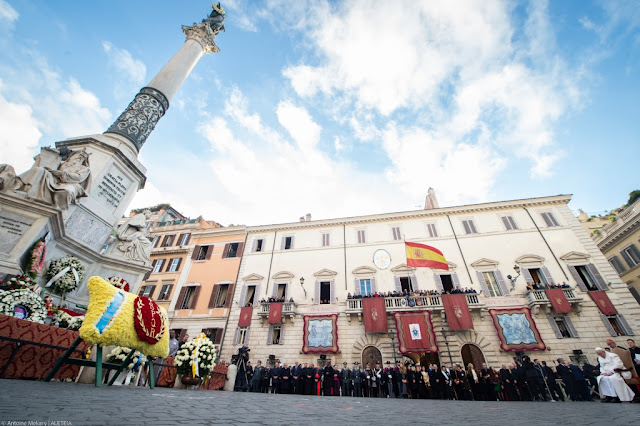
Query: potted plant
[195, 360]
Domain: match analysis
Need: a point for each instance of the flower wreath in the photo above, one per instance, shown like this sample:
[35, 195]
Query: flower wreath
[65, 274]
[36, 259]
[36, 309]
[120, 283]
[120, 353]
[197, 357]
[21, 282]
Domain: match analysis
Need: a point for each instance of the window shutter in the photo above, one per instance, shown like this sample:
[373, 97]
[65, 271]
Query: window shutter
[179, 262]
[194, 299]
[196, 251]
[398, 284]
[505, 221]
[180, 298]
[439, 285]
[180, 239]
[246, 337]
[569, 324]
[218, 337]
[527, 276]
[283, 242]
[229, 296]
[163, 289]
[214, 295]
[292, 243]
[270, 335]
[546, 219]
[374, 287]
[281, 341]
[576, 276]
[166, 262]
[554, 327]
[209, 252]
[465, 224]
[414, 282]
[240, 248]
[332, 292]
[357, 290]
[142, 288]
[483, 285]
[503, 287]
[547, 275]
[164, 240]
[153, 265]
[316, 300]
[235, 336]
[243, 295]
[600, 282]
[274, 293]
[153, 289]
[625, 325]
[456, 281]
[607, 324]
[254, 246]
[256, 294]
[187, 240]
[627, 259]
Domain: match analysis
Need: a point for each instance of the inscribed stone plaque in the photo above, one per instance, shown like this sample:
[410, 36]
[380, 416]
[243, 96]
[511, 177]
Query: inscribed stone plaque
[87, 229]
[12, 227]
[112, 189]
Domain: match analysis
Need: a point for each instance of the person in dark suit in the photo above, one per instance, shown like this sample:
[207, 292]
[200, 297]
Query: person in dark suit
[249, 371]
[327, 374]
[276, 373]
[507, 383]
[550, 377]
[285, 379]
[567, 378]
[296, 375]
[635, 354]
[357, 380]
[258, 373]
[581, 388]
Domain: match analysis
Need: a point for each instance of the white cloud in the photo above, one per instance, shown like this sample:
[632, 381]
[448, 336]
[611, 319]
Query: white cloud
[132, 72]
[299, 124]
[7, 12]
[20, 135]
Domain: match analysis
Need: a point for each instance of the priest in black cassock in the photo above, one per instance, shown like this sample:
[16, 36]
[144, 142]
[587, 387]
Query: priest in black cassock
[276, 373]
[327, 375]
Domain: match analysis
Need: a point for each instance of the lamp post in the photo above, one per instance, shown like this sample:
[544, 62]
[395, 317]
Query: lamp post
[513, 279]
[302, 285]
[447, 343]
[393, 345]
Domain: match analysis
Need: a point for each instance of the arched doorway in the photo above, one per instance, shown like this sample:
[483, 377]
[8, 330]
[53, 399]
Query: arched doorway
[371, 355]
[472, 354]
[430, 358]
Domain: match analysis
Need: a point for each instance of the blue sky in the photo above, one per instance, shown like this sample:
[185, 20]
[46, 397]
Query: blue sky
[341, 108]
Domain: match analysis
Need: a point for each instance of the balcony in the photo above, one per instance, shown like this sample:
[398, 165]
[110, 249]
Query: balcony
[288, 310]
[430, 302]
[538, 299]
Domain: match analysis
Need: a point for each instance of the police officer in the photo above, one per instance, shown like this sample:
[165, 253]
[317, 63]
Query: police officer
[345, 377]
[357, 379]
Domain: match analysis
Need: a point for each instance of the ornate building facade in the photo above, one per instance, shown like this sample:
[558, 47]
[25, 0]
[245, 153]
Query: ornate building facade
[504, 251]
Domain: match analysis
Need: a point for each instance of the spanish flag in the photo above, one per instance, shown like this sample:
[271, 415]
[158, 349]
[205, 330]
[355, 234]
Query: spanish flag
[420, 255]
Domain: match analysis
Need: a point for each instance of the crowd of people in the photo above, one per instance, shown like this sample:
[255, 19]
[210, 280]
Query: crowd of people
[275, 300]
[522, 380]
[544, 286]
[414, 293]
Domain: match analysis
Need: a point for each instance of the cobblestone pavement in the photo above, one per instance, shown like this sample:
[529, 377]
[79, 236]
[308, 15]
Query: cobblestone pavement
[70, 404]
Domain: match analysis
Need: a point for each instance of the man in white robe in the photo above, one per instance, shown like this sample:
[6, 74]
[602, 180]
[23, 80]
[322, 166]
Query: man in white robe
[611, 384]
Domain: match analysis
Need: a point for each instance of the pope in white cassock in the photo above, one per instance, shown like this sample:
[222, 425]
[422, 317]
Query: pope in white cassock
[610, 381]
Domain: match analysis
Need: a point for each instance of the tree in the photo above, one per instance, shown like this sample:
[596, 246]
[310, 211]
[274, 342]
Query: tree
[633, 196]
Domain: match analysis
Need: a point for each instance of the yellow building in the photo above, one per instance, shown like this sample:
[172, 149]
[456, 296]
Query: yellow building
[619, 241]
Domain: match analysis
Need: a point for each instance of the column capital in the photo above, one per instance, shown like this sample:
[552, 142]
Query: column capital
[205, 32]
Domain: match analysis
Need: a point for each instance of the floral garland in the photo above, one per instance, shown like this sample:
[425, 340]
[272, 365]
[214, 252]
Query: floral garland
[120, 353]
[36, 259]
[197, 357]
[30, 301]
[64, 320]
[120, 283]
[21, 282]
[65, 274]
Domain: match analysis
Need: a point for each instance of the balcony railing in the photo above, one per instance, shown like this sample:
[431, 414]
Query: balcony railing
[538, 298]
[412, 303]
[288, 309]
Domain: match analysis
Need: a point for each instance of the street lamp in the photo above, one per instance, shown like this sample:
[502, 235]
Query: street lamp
[447, 343]
[392, 333]
[513, 279]
[302, 285]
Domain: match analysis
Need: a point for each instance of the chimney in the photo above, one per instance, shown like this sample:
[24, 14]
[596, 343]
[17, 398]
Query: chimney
[431, 202]
[301, 218]
[308, 217]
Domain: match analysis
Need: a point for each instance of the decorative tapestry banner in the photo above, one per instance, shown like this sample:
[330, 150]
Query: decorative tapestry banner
[516, 330]
[320, 334]
[415, 332]
[558, 300]
[375, 315]
[457, 310]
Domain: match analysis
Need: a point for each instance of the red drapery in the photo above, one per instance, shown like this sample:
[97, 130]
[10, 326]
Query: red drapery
[458, 314]
[245, 316]
[604, 303]
[375, 315]
[415, 332]
[275, 313]
[559, 300]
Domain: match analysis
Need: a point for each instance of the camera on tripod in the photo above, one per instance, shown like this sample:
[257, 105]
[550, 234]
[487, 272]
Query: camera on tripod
[242, 355]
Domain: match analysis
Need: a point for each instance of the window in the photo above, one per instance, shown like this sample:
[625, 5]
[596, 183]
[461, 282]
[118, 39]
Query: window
[365, 286]
[174, 265]
[509, 223]
[221, 298]
[242, 336]
[469, 227]
[537, 276]
[168, 240]
[431, 230]
[156, 240]
[492, 284]
[549, 219]
[617, 325]
[447, 283]
[325, 240]
[631, 255]
[361, 237]
[184, 239]
[214, 334]
[325, 292]
[405, 284]
[563, 327]
[281, 291]
[232, 250]
[396, 233]
[165, 292]
[258, 245]
[157, 265]
[186, 299]
[251, 291]
[202, 252]
[275, 335]
[146, 291]
[617, 265]
[287, 243]
[587, 278]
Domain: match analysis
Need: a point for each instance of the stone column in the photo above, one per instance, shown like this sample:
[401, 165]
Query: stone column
[147, 108]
